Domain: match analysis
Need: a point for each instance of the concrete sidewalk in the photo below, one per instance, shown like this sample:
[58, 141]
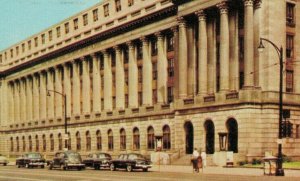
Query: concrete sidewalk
[220, 170]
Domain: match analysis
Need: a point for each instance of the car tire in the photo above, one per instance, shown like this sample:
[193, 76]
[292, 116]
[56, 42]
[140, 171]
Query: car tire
[50, 167]
[145, 169]
[97, 167]
[79, 168]
[129, 168]
[42, 166]
[4, 164]
[112, 167]
[19, 166]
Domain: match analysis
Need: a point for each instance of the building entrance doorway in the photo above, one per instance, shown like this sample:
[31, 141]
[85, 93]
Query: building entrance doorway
[189, 137]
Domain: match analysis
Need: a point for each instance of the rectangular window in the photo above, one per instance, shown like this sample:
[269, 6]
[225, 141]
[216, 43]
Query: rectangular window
[139, 54]
[17, 50]
[85, 19]
[290, 14]
[153, 47]
[23, 48]
[154, 97]
[75, 21]
[289, 81]
[126, 76]
[95, 14]
[170, 94]
[170, 43]
[58, 32]
[11, 53]
[140, 75]
[67, 28]
[36, 43]
[5, 55]
[50, 35]
[130, 2]
[297, 131]
[171, 67]
[106, 10]
[289, 46]
[126, 55]
[1, 58]
[154, 71]
[43, 38]
[140, 98]
[118, 5]
[126, 101]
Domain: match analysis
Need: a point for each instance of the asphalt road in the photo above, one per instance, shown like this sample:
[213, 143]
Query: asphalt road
[12, 173]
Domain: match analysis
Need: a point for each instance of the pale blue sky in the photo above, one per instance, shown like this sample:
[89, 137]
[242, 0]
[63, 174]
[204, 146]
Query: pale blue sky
[20, 19]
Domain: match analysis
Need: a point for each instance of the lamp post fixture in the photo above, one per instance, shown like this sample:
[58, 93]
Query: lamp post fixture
[279, 169]
[66, 137]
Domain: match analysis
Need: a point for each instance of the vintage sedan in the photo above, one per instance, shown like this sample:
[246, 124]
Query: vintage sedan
[97, 160]
[30, 160]
[3, 160]
[131, 162]
[67, 160]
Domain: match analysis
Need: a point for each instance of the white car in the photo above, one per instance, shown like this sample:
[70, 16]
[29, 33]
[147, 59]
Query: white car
[3, 160]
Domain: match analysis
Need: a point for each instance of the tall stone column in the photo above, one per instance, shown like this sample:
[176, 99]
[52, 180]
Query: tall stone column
[23, 99]
[36, 97]
[96, 84]
[162, 72]
[248, 44]
[120, 79]
[17, 101]
[133, 77]
[107, 81]
[202, 50]
[67, 87]
[29, 108]
[212, 59]
[234, 51]
[76, 89]
[58, 98]
[182, 60]
[258, 60]
[50, 99]
[11, 103]
[44, 97]
[147, 73]
[224, 47]
[86, 85]
[174, 29]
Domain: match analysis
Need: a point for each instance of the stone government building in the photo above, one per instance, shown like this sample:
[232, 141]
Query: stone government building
[134, 71]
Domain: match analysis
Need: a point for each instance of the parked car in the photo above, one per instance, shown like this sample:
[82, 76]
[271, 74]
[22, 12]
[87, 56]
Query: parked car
[97, 160]
[30, 160]
[3, 160]
[130, 162]
[67, 160]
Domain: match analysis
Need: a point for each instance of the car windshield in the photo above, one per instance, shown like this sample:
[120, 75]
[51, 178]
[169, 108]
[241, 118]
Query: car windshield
[73, 155]
[135, 156]
[104, 156]
[34, 155]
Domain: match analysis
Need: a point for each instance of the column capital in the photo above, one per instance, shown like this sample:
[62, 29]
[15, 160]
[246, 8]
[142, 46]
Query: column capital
[144, 39]
[104, 52]
[117, 48]
[94, 55]
[248, 2]
[181, 21]
[223, 7]
[82, 58]
[159, 35]
[201, 15]
[130, 44]
[174, 29]
[257, 4]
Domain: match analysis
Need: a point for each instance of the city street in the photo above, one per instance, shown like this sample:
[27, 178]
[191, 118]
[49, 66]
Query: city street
[11, 173]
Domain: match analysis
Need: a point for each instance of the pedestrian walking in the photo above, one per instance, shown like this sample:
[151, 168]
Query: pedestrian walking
[195, 159]
[203, 156]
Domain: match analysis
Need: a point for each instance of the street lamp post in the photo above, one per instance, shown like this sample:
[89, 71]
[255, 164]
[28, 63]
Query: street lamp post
[279, 169]
[66, 137]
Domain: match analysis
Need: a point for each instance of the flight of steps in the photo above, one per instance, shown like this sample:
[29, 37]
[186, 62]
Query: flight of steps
[186, 160]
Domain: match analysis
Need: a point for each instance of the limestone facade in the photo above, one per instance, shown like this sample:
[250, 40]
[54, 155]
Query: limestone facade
[129, 72]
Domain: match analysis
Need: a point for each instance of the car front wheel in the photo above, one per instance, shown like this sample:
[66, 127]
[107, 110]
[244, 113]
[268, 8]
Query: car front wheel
[112, 167]
[145, 169]
[129, 168]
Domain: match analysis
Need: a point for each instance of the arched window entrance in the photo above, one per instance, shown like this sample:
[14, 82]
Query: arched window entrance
[209, 137]
[189, 137]
[232, 128]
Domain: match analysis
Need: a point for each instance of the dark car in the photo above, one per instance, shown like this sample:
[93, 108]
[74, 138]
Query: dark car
[67, 160]
[130, 162]
[97, 160]
[30, 160]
